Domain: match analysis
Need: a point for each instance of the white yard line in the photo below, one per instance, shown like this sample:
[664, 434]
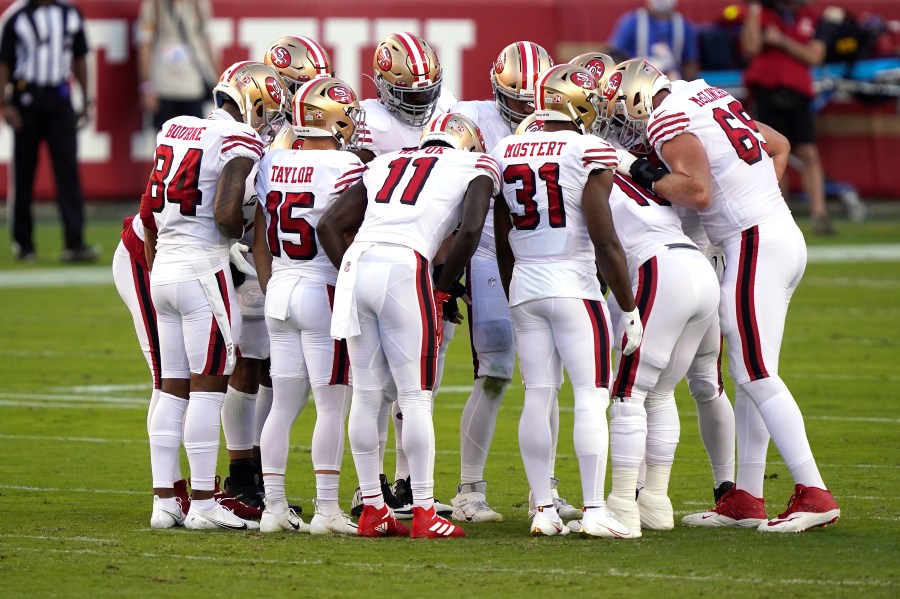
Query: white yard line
[74, 490]
[834, 254]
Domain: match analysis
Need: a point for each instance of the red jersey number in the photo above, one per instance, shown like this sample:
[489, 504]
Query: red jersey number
[549, 174]
[280, 207]
[183, 189]
[744, 134]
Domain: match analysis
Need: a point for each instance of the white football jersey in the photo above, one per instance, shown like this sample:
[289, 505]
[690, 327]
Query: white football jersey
[544, 175]
[493, 128]
[383, 133]
[295, 187]
[645, 223]
[415, 196]
[745, 190]
[190, 155]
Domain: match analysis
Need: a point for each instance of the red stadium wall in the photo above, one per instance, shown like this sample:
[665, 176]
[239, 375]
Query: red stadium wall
[467, 35]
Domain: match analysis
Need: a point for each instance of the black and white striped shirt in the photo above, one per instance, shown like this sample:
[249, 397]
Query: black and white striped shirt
[39, 41]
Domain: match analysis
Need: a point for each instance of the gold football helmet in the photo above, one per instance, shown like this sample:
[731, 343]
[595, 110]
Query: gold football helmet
[259, 93]
[327, 107]
[530, 124]
[601, 65]
[568, 93]
[408, 77]
[630, 90]
[298, 59]
[513, 76]
[286, 140]
[454, 129]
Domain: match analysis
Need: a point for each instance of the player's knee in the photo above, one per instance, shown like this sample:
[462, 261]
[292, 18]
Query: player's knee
[703, 390]
[494, 387]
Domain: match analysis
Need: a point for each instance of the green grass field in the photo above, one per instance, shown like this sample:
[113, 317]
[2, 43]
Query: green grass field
[75, 477]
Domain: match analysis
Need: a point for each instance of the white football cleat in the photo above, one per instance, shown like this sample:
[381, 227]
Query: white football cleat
[339, 524]
[544, 525]
[565, 510]
[162, 518]
[217, 518]
[656, 511]
[625, 509]
[598, 522]
[574, 526]
[277, 522]
[470, 504]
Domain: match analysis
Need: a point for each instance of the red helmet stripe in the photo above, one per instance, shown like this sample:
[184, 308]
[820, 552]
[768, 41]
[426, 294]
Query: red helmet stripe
[418, 60]
[530, 59]
[444, 120]
[539, 87]
[318, 52]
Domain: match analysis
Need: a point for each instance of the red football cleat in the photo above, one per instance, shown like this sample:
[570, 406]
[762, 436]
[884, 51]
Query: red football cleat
[374, 522]
[808, 507]
[426, 524]
[240, 509]
[736, 508]
[181, 493]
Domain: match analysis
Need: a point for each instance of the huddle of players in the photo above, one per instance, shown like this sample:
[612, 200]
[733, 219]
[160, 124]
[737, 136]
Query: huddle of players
[569, 206]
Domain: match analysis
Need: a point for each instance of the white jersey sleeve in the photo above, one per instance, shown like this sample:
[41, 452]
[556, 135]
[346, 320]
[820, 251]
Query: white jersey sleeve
[745, 189]
[415, 196]
[296, 187]
[544, 175]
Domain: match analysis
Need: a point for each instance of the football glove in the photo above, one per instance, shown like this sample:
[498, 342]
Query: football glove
[716, 257]
[236, 254]
[634, 331]
[440, 298]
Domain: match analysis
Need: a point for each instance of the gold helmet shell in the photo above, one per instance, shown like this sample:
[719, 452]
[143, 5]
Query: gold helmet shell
[513, 75]
[327, 107]
[259, 93]
[454, 129]
[567, 93]
[286, 140]
[298, 59]
[530, 124]
[601, 65]
[630, 90]
[408, 77]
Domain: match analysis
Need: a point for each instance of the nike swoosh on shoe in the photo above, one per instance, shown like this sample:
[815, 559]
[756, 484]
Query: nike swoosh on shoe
[220, 524]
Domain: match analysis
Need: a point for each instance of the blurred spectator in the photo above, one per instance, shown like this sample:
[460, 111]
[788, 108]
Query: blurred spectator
[175, 59]
[661, 35]
[779, 38]
[42, 44]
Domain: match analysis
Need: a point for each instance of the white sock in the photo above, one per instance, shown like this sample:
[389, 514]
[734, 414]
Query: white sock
[384, 419]
[203, 505]
[717, 429]
[332, 406]
[169, 504]
[536, 441]
[627, 444]
[752, 444]
[239, 419]
[263, 405]
[327, 494]
[418, 444]
[276, 500]
[201, 437]
[290, 395]
[476, 427]
[402, 466]
[663, 430]
[165, 439]
[362, 429]
[784, 421]
[591, 438]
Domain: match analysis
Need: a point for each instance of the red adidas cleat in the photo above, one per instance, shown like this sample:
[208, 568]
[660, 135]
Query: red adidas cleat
[809, 507]
[426, 524]
[374, 522]
[240, 509]
[736, 509]
[181, 493]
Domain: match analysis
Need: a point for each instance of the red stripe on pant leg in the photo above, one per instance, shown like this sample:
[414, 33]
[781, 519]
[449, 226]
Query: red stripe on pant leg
[212, 361]
[719, 366]
[471, 319]
[141, 278]
[340, 363]
[428, 323]
[644, 299]
[745, 305]
[217, 357]
[601, 343]
[595, 336]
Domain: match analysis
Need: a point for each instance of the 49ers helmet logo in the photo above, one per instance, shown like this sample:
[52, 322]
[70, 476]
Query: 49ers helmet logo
[612, 86]
[596, 67]
[340, 94]
[500, 64]
[586, 81]
[274, 89]
[385, 62]
[281, 58]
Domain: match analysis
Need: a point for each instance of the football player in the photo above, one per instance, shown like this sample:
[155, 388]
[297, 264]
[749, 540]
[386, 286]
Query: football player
[409, 87]
[407, 204]
[190, 210]
[721, 163]
[553, 230]
[296, 187]
[513, 75]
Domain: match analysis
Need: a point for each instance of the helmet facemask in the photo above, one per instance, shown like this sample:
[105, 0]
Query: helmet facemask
[412, 105]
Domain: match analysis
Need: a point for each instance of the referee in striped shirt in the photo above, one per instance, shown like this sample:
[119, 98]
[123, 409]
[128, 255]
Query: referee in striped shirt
[42, 44]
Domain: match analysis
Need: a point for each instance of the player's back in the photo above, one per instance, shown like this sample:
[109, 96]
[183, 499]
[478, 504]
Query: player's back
[745, 189]
[384, 133]
[190, 155]
[544, 175]
[415, 196]
[296, 187]
[645, 223]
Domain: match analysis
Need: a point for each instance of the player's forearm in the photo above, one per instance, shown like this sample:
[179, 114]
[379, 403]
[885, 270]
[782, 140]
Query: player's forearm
[683, 190]
[262, 255]
[614, 269]
[461, 250]
[228, 202]
[332, 241]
